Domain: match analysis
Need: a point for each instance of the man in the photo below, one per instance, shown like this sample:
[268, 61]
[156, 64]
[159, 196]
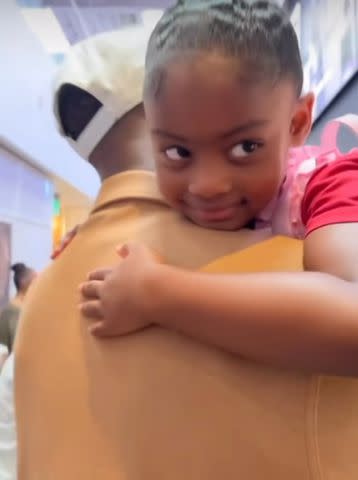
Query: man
[157, 405]
[76, 106]
[64, 428]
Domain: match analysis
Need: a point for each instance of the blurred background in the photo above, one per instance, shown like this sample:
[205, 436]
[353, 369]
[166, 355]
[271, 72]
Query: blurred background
[45, 189]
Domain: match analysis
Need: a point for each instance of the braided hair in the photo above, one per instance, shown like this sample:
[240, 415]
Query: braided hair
[257, 32]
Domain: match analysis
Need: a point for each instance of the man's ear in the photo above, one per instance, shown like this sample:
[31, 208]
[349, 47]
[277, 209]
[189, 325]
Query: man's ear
[301, 121]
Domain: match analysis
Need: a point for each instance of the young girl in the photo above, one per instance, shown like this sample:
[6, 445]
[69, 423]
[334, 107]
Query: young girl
[225, 111]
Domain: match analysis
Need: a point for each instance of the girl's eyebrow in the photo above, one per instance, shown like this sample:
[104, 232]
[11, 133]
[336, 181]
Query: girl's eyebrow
[234, 131]
[243, 128]
[172, 136]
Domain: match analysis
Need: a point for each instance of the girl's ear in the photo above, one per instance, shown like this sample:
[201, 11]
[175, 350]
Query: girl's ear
[301, 122]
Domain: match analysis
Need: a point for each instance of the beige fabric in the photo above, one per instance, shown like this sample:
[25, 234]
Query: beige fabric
[330, 405]
[61, 370]
[156, 405]
[276, 254]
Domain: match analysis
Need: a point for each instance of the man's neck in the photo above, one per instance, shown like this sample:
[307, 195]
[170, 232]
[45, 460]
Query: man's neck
[122, 164]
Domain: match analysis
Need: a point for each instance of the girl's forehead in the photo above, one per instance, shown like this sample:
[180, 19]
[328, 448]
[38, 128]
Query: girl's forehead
[204, 76]
[207, 71]
[212, 94]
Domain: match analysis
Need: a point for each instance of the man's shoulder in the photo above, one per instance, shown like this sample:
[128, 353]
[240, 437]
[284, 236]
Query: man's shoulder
[129, 186]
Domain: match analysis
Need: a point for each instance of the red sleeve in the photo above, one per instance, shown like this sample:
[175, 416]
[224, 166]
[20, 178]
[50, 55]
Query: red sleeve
[331, 194]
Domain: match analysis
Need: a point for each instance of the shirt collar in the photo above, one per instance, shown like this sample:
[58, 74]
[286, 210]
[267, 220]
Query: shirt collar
[130, 185]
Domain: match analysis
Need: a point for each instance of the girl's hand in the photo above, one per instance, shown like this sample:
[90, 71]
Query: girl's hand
[118, 300]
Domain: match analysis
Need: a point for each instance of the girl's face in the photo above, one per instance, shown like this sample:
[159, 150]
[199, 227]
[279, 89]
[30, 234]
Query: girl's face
[221, 140]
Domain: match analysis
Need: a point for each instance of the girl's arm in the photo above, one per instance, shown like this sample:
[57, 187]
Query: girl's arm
[306, 320]
[302, 320]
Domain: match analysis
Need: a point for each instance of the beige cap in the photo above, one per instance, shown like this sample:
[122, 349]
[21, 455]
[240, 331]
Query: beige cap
[109, 66]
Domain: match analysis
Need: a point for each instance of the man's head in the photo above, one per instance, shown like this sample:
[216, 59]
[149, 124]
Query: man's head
[98, 101]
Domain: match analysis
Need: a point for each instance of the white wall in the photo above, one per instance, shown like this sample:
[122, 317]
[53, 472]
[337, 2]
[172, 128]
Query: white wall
[26, 202]
[26, 119]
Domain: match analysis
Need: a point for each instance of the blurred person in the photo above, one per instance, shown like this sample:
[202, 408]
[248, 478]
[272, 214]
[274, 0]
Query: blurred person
[8, 460]
[5, 259]
[23, 277]
[4, 353]
[98, 106]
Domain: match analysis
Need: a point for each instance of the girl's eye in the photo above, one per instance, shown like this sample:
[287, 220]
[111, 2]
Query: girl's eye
[177, 153]
[244, 149]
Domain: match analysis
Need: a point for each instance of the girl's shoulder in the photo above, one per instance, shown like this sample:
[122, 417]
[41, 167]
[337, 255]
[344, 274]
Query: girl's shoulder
[290, 216]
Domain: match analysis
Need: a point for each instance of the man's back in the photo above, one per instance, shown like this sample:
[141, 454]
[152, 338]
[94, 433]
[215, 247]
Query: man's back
[65, 377]
[156, 405]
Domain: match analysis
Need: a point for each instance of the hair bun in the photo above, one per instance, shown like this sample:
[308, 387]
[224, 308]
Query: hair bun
[18, 268]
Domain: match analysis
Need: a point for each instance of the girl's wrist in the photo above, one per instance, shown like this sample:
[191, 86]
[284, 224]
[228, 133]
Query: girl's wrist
[160, 297]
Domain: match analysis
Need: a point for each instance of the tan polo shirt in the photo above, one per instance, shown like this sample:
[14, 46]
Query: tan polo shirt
[153, 405]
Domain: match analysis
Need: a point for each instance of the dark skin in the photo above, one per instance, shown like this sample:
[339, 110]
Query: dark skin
[305, 320]
[224, 165]
[124, 147]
